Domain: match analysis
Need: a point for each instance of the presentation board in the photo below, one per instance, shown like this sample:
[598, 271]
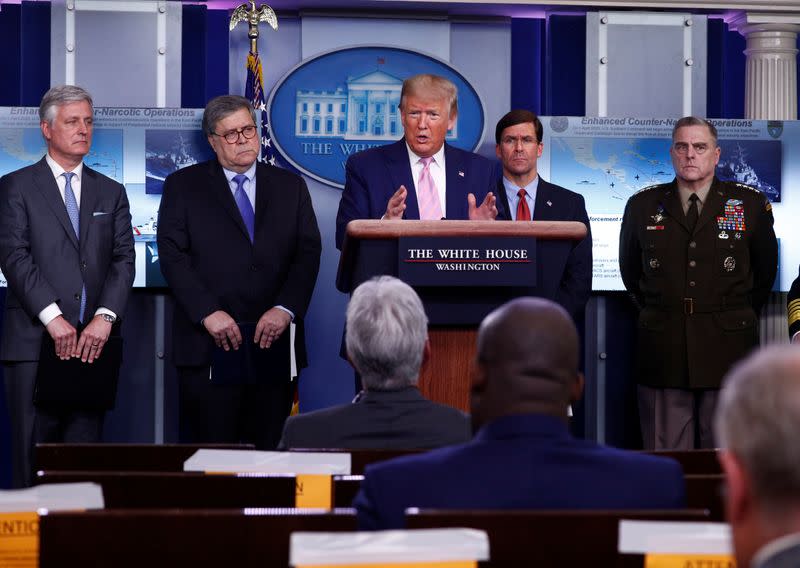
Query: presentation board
[605, 159]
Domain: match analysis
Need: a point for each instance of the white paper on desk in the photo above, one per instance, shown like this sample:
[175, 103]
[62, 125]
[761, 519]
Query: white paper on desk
[53, 497]
[292, 355]
[379, 547]
[251, 461]
[674, 537]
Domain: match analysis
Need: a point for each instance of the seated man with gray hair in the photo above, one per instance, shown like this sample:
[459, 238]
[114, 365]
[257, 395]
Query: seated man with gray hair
[757, 423]
[387, 343]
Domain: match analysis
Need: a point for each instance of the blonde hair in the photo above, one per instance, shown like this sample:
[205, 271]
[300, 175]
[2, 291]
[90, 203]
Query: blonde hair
[430, 86]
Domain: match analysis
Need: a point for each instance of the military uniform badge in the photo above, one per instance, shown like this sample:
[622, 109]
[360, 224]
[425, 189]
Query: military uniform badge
[733, 217]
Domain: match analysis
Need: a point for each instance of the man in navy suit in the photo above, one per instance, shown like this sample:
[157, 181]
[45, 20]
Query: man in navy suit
[522, 455]
[387, 182]
[66, 249]
[565, 267]
[240, 249]
[756, 422]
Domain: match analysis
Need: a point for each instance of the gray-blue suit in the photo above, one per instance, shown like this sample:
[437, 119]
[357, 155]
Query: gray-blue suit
[44, 262]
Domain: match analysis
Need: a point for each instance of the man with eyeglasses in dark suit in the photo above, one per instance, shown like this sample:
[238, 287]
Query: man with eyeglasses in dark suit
[239, 244]
[699, 257]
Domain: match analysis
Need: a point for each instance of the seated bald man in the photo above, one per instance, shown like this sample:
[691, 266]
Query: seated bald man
[522, 455]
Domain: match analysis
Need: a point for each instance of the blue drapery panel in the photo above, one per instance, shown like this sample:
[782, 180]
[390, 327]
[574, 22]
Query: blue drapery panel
[25, 45]
[548, 65]
[527, 64]
[566, 65]
[726, 70]
[204, 55]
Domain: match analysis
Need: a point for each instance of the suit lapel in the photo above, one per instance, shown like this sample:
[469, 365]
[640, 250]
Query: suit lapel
[400, 173]
[224, 196]
[89, 195]
[262, 198]
[456, 184]
[45, 182]
[502, 197]
[544, 205]
[672, 205]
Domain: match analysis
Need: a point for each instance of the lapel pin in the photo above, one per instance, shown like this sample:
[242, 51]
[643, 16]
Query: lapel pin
[460, 173]
[549, 203]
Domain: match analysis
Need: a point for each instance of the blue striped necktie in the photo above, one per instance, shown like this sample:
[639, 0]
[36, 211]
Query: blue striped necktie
[244, 205]
[75, 218]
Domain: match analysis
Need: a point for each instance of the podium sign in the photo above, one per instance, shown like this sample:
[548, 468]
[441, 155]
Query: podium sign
[461, 270]
[479, 261]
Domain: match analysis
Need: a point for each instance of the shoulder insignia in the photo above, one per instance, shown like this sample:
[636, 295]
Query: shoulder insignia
[648, 188]
[746, 187]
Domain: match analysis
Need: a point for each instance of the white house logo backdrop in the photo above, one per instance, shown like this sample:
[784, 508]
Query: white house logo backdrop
[344, 101]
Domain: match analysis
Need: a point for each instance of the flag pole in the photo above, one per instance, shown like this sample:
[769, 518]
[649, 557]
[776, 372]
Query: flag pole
[254, 86]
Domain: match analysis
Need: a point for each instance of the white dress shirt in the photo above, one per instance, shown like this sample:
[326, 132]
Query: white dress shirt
[51, 312]
[249, 190]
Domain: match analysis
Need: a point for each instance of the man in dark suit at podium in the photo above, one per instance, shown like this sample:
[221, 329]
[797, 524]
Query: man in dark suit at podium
[66, 249]
[420, 176]
[564, 267]
[239, 244]
[522, 455]
[387, 343]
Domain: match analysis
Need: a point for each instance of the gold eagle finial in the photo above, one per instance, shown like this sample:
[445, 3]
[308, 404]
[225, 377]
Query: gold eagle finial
[253, 16]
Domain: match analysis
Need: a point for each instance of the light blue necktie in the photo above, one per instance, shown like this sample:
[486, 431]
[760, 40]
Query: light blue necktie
[75, 218]
[244, 205]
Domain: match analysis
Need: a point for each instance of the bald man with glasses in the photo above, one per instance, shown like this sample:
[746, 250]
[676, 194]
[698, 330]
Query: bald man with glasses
[699, 257]
[240, 247]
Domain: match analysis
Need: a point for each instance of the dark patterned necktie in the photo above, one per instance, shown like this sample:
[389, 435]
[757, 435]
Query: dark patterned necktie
[692, 213]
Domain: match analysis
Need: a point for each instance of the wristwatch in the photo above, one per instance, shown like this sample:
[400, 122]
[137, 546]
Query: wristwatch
[108, 317]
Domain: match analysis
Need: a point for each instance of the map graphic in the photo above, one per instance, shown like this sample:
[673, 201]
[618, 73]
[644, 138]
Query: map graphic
[607, 171]
[20, 147]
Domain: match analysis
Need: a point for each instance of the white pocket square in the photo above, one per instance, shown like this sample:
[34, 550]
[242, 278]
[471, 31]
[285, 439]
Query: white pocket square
[99, 213]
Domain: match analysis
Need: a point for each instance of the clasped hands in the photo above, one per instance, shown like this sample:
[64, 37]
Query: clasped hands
[87, 347]
[225, 331]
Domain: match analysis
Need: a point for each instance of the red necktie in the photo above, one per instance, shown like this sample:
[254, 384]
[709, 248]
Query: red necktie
[523, 213]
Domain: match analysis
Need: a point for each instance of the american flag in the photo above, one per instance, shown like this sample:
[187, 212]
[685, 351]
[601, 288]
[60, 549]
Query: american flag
[254, 92]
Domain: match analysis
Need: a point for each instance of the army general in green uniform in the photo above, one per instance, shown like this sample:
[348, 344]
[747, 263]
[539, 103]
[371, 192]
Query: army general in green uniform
[699, 257]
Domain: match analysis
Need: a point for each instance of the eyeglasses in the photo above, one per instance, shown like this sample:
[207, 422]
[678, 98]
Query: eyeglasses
[232, 137]
[683, 147]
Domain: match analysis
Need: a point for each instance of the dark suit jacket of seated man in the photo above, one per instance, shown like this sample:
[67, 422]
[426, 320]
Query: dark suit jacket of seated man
[384, 182]
[387, 343]
[523, 456]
